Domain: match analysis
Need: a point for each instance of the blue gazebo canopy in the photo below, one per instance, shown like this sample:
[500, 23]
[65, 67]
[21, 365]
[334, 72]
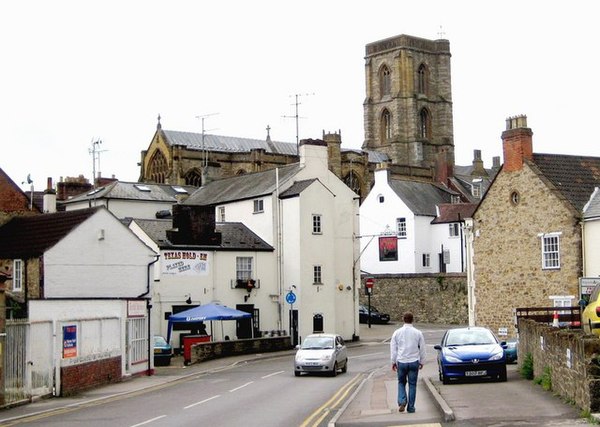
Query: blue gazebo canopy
[205, 312]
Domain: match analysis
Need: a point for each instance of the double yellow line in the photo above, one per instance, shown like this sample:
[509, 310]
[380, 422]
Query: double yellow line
[319, 415]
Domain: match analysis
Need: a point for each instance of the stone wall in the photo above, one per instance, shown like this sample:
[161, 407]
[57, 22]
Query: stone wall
[216, 349]
[433, 298]
[572, 357]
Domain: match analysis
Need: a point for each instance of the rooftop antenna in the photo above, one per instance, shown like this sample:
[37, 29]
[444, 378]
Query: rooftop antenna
[441, 33]
[30, 182]
[95, 152]
[295, 116]
[204, 151]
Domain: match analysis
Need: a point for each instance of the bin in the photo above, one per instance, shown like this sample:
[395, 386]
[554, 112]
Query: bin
[188, 341]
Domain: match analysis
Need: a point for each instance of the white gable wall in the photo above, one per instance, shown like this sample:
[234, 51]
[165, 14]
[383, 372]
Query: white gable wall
[591, 243]
[99, 258]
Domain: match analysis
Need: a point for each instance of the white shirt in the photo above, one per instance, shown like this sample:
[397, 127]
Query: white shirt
[407, 345]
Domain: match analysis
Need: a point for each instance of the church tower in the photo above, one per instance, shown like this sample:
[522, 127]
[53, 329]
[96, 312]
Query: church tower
[408, 105]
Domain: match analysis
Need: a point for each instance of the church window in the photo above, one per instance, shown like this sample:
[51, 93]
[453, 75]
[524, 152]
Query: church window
[386, 125]
[352, 181]
[193, 177]
[385, 81]
[422, 79]
[424, 124]
[158, 169]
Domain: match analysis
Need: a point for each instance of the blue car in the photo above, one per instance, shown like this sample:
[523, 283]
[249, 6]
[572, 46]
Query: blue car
[471, 353]
[511, 350]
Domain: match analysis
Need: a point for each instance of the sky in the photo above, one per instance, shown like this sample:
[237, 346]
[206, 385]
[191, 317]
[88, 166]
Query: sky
[77, 72]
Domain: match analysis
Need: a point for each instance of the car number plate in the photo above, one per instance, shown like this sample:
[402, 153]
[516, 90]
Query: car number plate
[157, 350]
[475, 373]
[311, 363]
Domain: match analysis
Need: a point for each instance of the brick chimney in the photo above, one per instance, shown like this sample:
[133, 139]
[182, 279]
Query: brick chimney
[516, 143]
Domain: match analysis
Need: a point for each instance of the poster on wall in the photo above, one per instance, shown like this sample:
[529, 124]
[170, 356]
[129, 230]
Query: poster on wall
[388, 248]
[184, 263]
[69, 341]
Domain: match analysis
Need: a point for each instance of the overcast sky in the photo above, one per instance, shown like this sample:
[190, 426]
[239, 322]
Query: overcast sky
[73, 72]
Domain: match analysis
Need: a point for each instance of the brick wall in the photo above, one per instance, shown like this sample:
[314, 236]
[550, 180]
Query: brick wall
[432, 298]
[572, 358]
[77, 378]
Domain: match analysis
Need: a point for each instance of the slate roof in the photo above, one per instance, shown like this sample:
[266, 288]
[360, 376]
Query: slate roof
[592, 208]
[297, 188]
[421, 197]
[241, 187]
[135, 191]
[575, 177]
[234, 235]
[31, 236]
[454, 212]
[232, 144]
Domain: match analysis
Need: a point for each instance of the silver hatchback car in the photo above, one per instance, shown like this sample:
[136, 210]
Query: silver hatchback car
[321, 353]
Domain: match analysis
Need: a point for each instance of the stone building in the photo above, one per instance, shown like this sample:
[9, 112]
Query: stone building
[526, 232]
[407, 122]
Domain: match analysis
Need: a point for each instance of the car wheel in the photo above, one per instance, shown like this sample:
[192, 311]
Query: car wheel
[297, 373]
[345, 368]
[334, 370]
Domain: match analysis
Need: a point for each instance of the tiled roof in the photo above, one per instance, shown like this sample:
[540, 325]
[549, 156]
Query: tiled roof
[297, 188]
[421, 197]
[241, 187]
[31, 236]
[135, 191]
[454, 212]
[234, 235]
[575, 177]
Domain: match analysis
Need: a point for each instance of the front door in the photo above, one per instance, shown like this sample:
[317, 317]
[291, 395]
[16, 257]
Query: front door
[243, 327]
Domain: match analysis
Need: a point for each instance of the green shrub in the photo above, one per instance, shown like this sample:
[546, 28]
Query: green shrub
[526, 369]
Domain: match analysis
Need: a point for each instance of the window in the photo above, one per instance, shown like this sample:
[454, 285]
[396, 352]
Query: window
[158, 168]
[143, 188]
[426, 260]
[476, 190]
[381, 198]
[550, 251]
[562, 300]
[138, 333]
[386, 125]
[316, 224]
[385, 81]
[317, 278]
[352, 181]
[17, 275]
[424, 124]
[454, 229]
[258, 206]
[221, 213]
[401, 227]
[193, 177]
[515, 198]
[243, 268]
[422, 79]
[455, 199]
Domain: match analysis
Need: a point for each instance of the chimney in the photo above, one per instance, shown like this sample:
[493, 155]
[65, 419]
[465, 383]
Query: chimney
[313, 154]
[496, 163]
[516, 143]
[334, 145]
[49, 200]
[478, 169]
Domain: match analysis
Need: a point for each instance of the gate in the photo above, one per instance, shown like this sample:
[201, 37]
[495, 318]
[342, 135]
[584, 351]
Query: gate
[28, 363]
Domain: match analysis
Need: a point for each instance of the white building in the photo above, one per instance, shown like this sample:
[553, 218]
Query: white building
[411, 227]
[82, 281]
[310, 217]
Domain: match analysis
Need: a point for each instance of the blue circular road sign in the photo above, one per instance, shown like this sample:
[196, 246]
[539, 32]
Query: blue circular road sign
[290, 297]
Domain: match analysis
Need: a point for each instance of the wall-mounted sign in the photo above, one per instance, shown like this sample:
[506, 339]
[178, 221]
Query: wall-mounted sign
[69, 341]
[136, 308]
[388, 249]
[184, 263]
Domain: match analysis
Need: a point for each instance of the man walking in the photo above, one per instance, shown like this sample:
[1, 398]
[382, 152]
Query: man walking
[407, 349]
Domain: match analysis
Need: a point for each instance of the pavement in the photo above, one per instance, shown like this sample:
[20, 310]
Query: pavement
[373, 403]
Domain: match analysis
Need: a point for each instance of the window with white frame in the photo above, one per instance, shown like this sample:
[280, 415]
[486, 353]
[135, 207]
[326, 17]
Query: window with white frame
[221, 213]
[551, 251]
[317, 278]
[258, 206]
[316, 224]
[401, 227]
[17, 275]
[562, 300]
[426, 260]
[454, 229]
[243, 268]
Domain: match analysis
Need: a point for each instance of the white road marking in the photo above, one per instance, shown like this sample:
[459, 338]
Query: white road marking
[366, 355]
[149, 421]
[274, 373]
[242, 386]
[202, 401]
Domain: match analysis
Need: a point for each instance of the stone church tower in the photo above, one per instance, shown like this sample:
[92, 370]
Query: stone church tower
[408, 105]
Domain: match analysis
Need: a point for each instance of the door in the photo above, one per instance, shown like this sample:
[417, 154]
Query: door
[243, 327]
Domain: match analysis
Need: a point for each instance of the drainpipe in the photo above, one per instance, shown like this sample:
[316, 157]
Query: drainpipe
[149, 311]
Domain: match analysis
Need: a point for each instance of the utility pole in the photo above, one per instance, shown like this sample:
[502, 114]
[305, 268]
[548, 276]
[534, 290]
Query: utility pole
[297, 117]
[204, 150]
